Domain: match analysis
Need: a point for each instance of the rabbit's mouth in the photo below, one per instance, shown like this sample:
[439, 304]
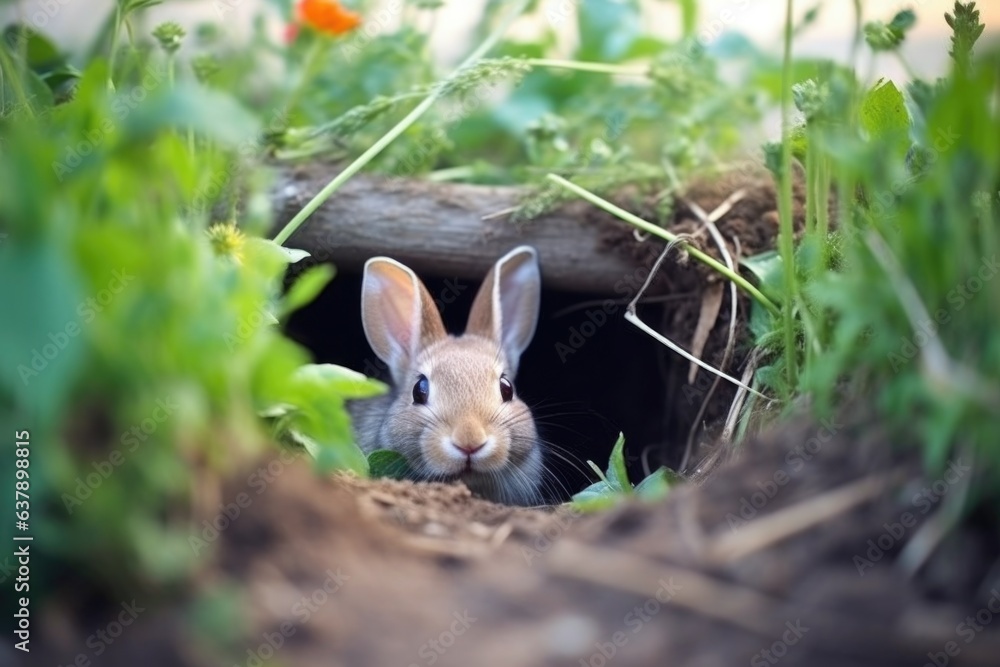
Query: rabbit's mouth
[470, 470]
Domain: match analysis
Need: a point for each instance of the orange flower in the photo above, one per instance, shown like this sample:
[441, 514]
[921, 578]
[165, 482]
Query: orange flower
[327, 16]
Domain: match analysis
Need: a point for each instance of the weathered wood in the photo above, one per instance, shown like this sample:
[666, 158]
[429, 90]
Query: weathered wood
[438, 229]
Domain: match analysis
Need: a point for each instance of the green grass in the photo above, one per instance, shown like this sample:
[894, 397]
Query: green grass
[917, 178]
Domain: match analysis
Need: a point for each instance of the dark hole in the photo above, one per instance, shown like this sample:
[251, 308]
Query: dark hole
[587, 375]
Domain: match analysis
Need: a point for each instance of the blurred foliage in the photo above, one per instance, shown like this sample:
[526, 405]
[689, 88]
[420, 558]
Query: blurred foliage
[139, 342]
[897, 305]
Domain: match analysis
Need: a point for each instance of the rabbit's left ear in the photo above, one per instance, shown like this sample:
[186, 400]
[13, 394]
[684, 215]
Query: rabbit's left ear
[398, 315]
[506, 306]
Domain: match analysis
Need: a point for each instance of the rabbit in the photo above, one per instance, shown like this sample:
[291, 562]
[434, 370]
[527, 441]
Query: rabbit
[452, 410]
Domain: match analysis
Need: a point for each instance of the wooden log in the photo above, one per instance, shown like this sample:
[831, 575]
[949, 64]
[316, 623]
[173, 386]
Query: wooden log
[448, 229]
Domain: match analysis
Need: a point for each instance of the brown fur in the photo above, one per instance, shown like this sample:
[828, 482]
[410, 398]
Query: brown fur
[464, 409]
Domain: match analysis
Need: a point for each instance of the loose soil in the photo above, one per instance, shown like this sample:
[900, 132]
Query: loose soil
[763, 556]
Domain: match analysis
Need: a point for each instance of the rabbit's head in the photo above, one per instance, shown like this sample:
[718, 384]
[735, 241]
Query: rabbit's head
[456, 414]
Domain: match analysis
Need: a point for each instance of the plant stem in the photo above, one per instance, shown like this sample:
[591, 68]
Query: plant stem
[13, 74]
[811, 178]
[452, 173]
[858, 33]
[581, 66]
[114, 45]
[689, 18]
[649, 227]
[823, 210]
[397, 130]
[786, 230]
[317, 48]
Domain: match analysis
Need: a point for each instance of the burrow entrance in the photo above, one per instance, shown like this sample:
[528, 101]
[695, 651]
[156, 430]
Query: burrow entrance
[587, 375]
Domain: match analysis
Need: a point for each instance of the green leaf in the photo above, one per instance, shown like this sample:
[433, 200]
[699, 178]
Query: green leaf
[326, 436]
[811, 97]
[762, 325]
[269, 258]
[387, 463]
[44, 335]
[336, 381]
[887, 37]
[37, 92]
[597, 470]
[212, 114]
[47, 69]
[884, 115]
[903, 20]
[766, 267]
[966, 29]
[772, 158]
[276, 411]
[657, 484]
[313, 414]
[341, 455]
[303, 440]
[612, 485]
[646, 46]
[306, 288]
[58, 76]
[129, 6]
[41, 53]
[598, 495]
[617, 471]
[799, 139]
[809, 17]
[292, 255]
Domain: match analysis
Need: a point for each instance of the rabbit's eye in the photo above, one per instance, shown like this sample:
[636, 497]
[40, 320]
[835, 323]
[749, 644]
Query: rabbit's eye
[506, 389]
[420, 390]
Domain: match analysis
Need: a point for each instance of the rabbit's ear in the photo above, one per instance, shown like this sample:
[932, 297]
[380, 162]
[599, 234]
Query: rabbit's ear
[399, 316]
[506, 306]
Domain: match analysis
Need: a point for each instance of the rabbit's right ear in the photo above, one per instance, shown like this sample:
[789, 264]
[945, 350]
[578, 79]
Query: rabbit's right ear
[506, 307]
[398, 315]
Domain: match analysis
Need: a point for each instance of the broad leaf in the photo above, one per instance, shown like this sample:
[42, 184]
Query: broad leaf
[306, 288]
[884, 116]
[386, 463]
[336, 381]
[657, 484]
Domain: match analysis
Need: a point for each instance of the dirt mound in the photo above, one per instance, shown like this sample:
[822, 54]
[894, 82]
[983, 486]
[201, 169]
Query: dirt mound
[792, 553]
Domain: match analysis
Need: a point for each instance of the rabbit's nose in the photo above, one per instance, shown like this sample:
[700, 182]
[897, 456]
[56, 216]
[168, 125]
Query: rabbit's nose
[468, 448]
[468, 437]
